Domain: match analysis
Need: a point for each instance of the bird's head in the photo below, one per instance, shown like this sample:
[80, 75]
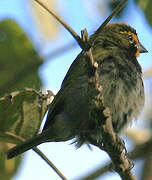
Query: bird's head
[119, 35]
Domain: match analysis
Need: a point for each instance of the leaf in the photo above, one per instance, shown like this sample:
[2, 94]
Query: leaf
[146, 6]
[19, 61]
[21, 115]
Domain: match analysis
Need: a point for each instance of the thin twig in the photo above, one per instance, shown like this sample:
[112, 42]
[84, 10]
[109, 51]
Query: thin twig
[49, 163]
[114, 12]
[19, 139]
[61, 21]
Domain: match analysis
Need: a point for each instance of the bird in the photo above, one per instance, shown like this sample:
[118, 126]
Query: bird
[115, 48]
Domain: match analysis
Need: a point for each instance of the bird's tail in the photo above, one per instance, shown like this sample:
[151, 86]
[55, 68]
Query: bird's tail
[29, 144]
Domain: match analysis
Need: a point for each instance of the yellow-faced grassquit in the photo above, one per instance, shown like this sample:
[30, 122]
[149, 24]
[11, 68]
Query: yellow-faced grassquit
[115, 49]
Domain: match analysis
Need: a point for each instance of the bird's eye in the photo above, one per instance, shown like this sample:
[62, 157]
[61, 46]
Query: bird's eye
[131, 38]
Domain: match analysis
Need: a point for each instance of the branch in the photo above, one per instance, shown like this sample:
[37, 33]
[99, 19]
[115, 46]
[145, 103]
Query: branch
[17, 139]
[115, 11]
[66, 26]
[49, 163]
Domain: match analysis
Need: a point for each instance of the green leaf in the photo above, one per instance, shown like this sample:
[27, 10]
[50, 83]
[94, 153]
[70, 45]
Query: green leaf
[19, 61]
[20, 119]
[21, 115]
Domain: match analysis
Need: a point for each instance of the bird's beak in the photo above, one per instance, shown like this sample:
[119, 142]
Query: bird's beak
[141, 48]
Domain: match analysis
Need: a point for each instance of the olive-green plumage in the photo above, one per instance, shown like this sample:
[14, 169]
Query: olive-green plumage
[115, 50]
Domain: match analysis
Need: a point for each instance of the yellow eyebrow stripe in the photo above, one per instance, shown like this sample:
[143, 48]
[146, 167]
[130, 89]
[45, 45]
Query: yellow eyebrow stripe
[132, 34]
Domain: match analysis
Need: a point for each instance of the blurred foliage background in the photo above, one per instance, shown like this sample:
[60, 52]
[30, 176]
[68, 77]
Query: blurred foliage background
[36, 51]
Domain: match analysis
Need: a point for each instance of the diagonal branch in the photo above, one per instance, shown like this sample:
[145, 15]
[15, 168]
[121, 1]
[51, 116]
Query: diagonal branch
[49, 163]
[114, 12]
[66, 26]
[17, 139]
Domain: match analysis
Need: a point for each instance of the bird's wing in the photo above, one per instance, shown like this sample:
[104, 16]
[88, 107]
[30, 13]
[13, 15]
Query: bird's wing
[57, 105]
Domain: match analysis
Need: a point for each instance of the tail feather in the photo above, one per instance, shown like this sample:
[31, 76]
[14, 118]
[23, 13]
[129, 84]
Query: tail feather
[29, 144]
